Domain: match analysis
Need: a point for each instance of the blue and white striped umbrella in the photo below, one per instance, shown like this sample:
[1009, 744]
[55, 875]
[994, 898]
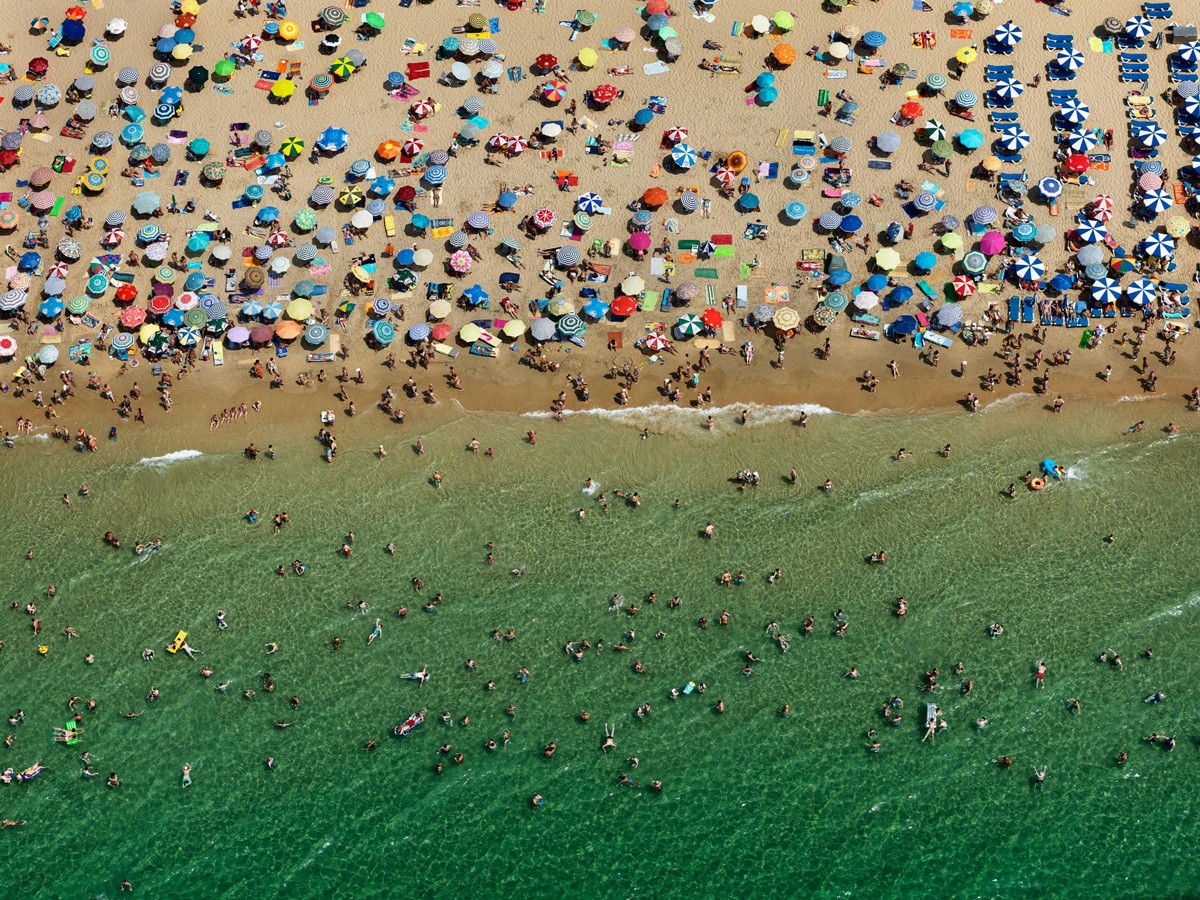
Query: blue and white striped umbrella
[689, 200]
[188, 337]
[925, 201]
[263, 253]
[217, 310]
[12, 300]
[829, 220]
[1189, 52]
[1187, 89]
[1030, 268]
[435, 175]
[841, 145]
[418, 332]
[360, 167]
[164, 111]
[1151, 167]
[1157, 244]
[1106, 290]
[985, 215]
[888, 142]
[1014, 137]
[589, 203]
[1153, 135]
[376, 208]
[54, 287]
[479, 220]
[965, 99]
[1138, 26]
[567, 256]
[874, 39]
[207, 301]
[795, 211]
[381, 306]
[1090, 231]
[1081, 140]
[1069, 58]
[251, 308]
[325, 235]
[306, 252]
[459, 239]
[1008, 88]
[1050, 188]
[1008, 34]
[683, 155]
[322, 195]
[1191, 106]
[1074, 110]
[1157, 201]
[1141, 291]
[122, 340]
[272, 311]
[850, 200]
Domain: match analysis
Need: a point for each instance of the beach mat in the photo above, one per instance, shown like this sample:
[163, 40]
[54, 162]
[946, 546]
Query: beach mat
[618, 337]
[650, 301]
[705, 273]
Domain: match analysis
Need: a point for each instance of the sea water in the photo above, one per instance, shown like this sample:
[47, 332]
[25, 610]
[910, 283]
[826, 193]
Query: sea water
[751, 802]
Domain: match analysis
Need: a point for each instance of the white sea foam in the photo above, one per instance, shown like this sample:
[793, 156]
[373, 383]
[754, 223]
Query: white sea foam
[1178, 609]
[645, 416]
[41, 437]
[161, 462]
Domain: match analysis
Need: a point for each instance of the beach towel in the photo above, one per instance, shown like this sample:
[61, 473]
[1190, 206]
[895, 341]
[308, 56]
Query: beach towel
[961, 34]
[617, 339]
[705, 273]
[650, 301]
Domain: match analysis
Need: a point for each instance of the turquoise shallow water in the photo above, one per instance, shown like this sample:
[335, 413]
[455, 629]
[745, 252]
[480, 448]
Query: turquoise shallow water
[751, 802]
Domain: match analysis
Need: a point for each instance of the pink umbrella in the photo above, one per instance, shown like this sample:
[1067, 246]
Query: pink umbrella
[421, 109]
[625, 35]
[639, 240]
[656, 341]
[133, 317]
[554, 91]
[516, 144]
[544, 218]
[1149, 182]
[498, 141]
[677, 135]
[725, 174]
[43, 200]
[413, 147]
[993, 242]
[460, 261]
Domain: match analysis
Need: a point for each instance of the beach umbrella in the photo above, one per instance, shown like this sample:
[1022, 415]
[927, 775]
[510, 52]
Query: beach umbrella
[942, 149]
[133, 317]
[460, 261]
[1008, 34]
[1008, 88]
[1077, 163]
[974, 263]
[160, 153]
[590, 203]
[12, 300]
[1156, 201]
[48, 354]
[69, 248]
[866, 301]
[1138, 26]
[1151, 136]
[146, 202]
[1094, 271]
[149, 232]
[984, 215]
[567, 256]
[949, 315]
[763, 313]
[1081, 140]
[77, 306]
[543, 329]
[1030, 268]
[840, 277]
[964, 285]
[1090, 255]
[333, 140]
[925, 261]
[654, 197]
[795, 211]
[305, 252]
[633, 285]
[835, 301]
[1187, 89]
[724, 174]
[1024, 232]
[1074, 110]
[213, 171]
[688, 325]
[965, 99]
[342, 67]
[1106, 290]
[971, 139]
[383, 331]
[1189, 52]
[1069, 58]
[1177, 226]
[360, 167]
[623, 306]
[829, 220]
[325, 235]
[418, 332]
[874, 39]
[683, 155]
[458, 239]
[24, 93]
[54, 287]
[1014, 138]
[887, 258]
[544, 218]
[29, 261]
[934, 130]
[1050, 188]
[571, 325]
[139, 154]
[435, 175]
[1091, 232]
[351, 195]
[268, 311]
[887, 142]
[1157, 244]
[925, 202]
[951, 240]
[595, 309]
[840, 145]
[1141, 291]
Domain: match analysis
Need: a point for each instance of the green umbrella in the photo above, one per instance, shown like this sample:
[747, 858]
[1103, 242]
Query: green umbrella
[375, 20]
[199, 146]
[667, 32]
[784, 21]
[196, 318]
[78, 305]
[342, 67]
[198, 75]
[689, 324]
[306, 219]
[935, 130]
[585, 18]
[224, 68]
[942, 149]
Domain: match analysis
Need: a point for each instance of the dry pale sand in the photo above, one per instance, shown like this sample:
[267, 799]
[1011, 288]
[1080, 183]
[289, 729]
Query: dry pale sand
[715, 110]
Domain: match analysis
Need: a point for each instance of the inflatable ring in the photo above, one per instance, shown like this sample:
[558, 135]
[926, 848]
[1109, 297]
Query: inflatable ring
[1037, 484]
[737, 161]
[43, 649]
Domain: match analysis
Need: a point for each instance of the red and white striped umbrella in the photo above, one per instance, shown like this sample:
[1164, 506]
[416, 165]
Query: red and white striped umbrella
[656, 340]
[1101, 215]
[58, 270]
[112, 237]
[544, 218]
[498, 141]
[421, 108]
[159, 304]
[516, 144]
[725, 174]
[277, 238]
[460, 261]
[677, 134]
[1102, 201]
[412, 147]
[251, 42]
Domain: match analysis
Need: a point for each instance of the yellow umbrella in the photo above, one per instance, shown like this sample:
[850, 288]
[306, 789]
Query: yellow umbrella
[299, 309]
[189, 7]
[991, 164]
[513, 328]
[181, 52]
[470, 333]
[1177, 226]
[146, 332]
[951, 240]
[966, 55]
[361, 274]
[289, 30]
[887, 258]
[587, 57]
[439, 309]
[283, 88]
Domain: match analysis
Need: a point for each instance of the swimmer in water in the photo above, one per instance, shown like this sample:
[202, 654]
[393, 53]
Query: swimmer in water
[187, 774]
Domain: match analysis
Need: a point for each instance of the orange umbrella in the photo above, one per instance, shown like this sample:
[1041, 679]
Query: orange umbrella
[785, 54]
[656, 196]
[287, 329]
[655, 7]
[76, 13]
[389, 149]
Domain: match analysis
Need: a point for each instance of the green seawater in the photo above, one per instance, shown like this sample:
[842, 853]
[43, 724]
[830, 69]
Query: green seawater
[752, 803]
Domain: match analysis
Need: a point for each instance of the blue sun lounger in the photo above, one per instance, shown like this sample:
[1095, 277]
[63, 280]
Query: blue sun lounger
[1014, 309]
[1027, 310]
